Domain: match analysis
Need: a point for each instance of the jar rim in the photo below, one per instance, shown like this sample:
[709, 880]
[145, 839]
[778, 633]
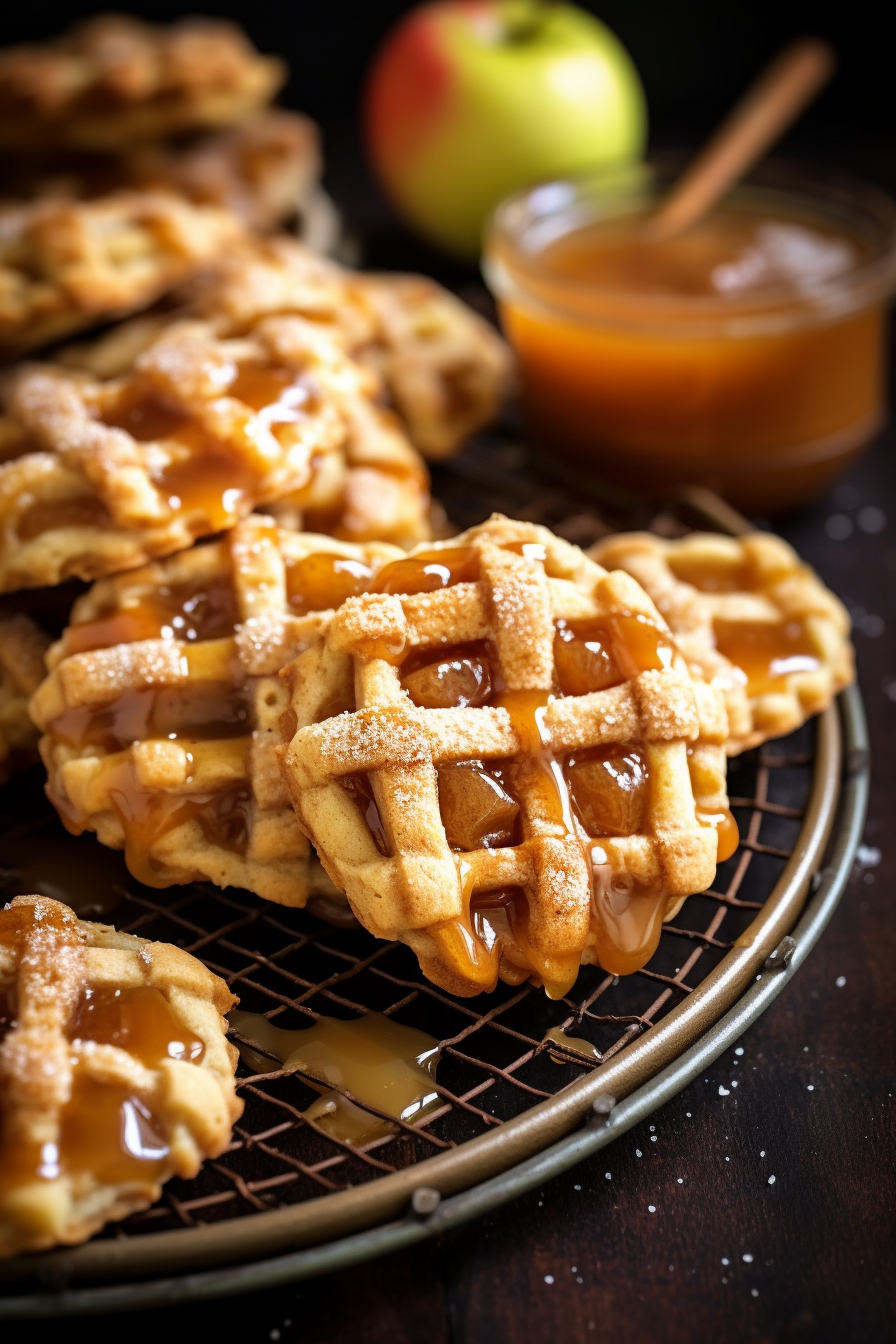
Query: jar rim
[527, 221]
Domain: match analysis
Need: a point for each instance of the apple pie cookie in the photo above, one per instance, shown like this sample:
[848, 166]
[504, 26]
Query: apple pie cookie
[445, 368]
[504, 763]
[101, 476]
[749, 616]
[114, 81]
[162, 708]
[23, 645]
[263, 172]
[115, 1073]
[67, 265]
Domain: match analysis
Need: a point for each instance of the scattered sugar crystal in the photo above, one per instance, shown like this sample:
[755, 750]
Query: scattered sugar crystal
[549, 1278]
[840, 981]
[771, 1180]
[651, 1208]
[747, 1258]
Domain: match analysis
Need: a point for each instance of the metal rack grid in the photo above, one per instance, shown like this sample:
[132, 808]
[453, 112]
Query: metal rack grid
[494, 1064]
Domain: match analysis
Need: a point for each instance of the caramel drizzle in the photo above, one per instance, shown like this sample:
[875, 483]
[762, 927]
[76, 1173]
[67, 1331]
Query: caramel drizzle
[103, 1128]
[380, 1062]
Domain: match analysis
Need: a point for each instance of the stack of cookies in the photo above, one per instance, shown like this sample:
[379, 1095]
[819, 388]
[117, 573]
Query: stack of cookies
[505, 753]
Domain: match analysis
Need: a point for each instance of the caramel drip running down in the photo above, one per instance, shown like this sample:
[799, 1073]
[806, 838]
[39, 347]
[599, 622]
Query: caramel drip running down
[628, 917]
[380, 1062]
[767, 654]
[726, 828]
[147, 817]
[109, 1132]
[549, 797]
[577, 1045]
[210, 480]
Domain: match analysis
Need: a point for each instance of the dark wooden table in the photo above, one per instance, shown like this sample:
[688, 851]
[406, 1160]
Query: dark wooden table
[775, 1202]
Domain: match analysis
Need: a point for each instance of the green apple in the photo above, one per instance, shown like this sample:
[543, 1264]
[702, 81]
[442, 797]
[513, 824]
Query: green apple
[469, 100]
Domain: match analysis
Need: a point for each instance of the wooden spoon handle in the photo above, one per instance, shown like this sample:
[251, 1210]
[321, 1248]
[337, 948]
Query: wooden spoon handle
[765, 112]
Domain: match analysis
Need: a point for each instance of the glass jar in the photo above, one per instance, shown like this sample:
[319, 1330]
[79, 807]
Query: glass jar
[754, 363]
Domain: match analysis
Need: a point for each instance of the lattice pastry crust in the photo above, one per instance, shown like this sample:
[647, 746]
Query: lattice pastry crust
[749, 616]
[162, 707]
[103, 475]
[398, 791]
[446, 369]
[114, 81]
[115, 1073]
[264, 172]
[22, 648]
[67, 265]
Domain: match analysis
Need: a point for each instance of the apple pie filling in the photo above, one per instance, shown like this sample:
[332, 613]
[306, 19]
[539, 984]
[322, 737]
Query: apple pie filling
[173, 611]
[103, 1129]
[596, 794]
[767, 653]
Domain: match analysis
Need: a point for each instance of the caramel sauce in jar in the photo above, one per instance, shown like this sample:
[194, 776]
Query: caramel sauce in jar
[747, 354]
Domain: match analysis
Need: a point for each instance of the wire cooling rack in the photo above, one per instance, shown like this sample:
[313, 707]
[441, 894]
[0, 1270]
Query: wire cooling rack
[504, 1094]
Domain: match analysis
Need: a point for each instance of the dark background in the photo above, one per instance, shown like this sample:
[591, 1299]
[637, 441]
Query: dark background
[727, 1256]
[693, 57]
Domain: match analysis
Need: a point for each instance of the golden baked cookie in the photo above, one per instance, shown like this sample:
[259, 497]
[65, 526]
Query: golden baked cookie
[115, 1073]
[23, 645]
[523, 775]
[162, 707]
[67, 265]
[263, 172]
[446, 368]
[101, 476]
[750, 617]
[114, 81]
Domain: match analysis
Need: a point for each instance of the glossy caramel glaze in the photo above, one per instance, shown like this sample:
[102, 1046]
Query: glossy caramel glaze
[576, 1045]
[103, 1128]
[139, 1020]
[767, 653]
[381, 1063]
